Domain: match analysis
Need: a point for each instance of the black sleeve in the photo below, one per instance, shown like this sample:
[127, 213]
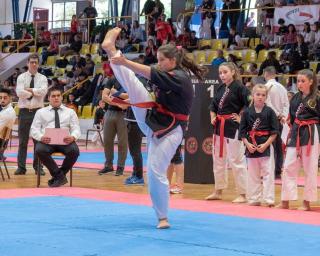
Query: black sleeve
[110, 83]
[278, 67]
[166, 81]
[291, 113]
[213, 107]
[263, 65]
[274, 124]
[245, 95]
[243, 128]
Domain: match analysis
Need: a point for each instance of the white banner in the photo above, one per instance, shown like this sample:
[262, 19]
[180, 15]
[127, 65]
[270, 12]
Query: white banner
[297, 15]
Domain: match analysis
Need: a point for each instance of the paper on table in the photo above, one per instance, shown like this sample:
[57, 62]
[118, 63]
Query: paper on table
[57, 135]
[285, 133]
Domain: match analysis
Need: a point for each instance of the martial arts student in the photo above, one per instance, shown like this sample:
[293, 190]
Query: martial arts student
[258, 129]
[163, 124]
[303, 144]
[229, 99]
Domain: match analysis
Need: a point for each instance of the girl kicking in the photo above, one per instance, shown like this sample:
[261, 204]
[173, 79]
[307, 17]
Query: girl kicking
[164, 123]
[258, 129]
[229, 99]
[303, 144]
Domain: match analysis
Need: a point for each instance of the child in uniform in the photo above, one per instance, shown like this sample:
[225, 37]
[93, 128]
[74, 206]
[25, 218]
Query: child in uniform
[258, 129]
[229, 100]
[303, 144]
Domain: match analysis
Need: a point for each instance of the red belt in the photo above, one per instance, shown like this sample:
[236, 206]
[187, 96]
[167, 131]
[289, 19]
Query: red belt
[254, 133]
[301, 123]
[159, 108]
[222, 119]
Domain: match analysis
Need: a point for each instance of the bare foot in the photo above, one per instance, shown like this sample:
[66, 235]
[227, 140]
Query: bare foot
[109, 41]
[163, 224]
[214, 196]
[305, 206]
[283, 205]
[240, 199]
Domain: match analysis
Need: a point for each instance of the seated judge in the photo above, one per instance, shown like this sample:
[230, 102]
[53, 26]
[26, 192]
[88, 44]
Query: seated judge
[7, 115]
[56, 115]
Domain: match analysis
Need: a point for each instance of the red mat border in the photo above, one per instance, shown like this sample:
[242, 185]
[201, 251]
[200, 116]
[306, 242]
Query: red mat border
[291, 216]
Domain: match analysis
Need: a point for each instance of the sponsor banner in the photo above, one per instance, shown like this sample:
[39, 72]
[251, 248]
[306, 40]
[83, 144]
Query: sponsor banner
[198, 139]
[297, 15]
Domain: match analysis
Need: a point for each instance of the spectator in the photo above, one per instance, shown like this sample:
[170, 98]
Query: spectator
[148, 9]
[151, 53]
[290, 38]
[89, 67]
[158, 10]
[44, 37]
[219, 59]
[53, 49]
[267, 39]
[316, 45]
[184, 38]
[136, 35]
[302, 48]
[173, 29]
[271, 60]
[163, 30]
[307, 34]
[205, 28]
[73, 28]
[234, 40]
[91, 13]
[193, 43]
[74, 47]
[122, 42]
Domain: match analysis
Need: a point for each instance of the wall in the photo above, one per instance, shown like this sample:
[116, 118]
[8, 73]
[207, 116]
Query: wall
[6, 12]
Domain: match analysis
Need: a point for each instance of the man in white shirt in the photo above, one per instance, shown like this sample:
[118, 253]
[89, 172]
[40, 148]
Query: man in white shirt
[278, 100]
[56, 115]
[7, 114]
[31, 89]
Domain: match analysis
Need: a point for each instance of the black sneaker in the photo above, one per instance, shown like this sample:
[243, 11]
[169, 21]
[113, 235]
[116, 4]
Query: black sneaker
[50, 182]
[20, 172]
[58, 182]
[105, 170]
[119, 171]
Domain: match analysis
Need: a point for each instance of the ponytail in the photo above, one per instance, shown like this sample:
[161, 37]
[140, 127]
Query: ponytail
[182, 61]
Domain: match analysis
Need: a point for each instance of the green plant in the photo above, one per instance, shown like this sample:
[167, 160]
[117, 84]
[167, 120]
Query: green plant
[19, 27]
[101, 29]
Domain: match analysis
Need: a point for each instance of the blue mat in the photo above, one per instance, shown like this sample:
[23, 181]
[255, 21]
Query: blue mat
[92, 157]
[47, 226]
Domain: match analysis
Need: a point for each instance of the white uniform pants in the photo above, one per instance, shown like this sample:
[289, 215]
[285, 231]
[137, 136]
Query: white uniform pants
[292, 166]
[261, 167]
[160, 151]
[233, 150]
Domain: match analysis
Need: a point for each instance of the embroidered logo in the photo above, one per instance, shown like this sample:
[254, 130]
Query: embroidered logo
[300, 109]
[191, 145]
[223, 98]
[256, 124]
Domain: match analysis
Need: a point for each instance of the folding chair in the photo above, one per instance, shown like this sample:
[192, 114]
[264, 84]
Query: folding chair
[54, 154]
[4, 141]
[94, 130]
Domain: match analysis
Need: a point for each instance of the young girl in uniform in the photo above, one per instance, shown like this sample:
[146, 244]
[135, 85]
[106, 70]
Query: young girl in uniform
[258, 129]
[163, 125]
[229, 99]
[303, 144]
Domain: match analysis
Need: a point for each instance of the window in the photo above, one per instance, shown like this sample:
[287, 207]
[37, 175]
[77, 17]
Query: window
[167, 9]
[62, 12]
[102, 8]
[70, 9]
[58, 14]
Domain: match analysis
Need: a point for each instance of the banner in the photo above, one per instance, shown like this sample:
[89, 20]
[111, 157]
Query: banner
[198, 140]
[297, 15]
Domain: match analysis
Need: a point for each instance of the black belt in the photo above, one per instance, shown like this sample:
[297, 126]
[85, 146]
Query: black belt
[29, 109]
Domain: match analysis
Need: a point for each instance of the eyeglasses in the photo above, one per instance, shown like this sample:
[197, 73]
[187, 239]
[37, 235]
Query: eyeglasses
[34, 62]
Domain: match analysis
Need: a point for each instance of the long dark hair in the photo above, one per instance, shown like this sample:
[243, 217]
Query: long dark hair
[314, 92]
[171, 51]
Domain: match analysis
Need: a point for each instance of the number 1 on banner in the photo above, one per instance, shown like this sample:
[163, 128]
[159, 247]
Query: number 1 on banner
[211, 90]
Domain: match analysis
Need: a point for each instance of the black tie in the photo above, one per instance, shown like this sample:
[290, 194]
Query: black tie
[0, 108]
[32, 81]
[56, 118]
